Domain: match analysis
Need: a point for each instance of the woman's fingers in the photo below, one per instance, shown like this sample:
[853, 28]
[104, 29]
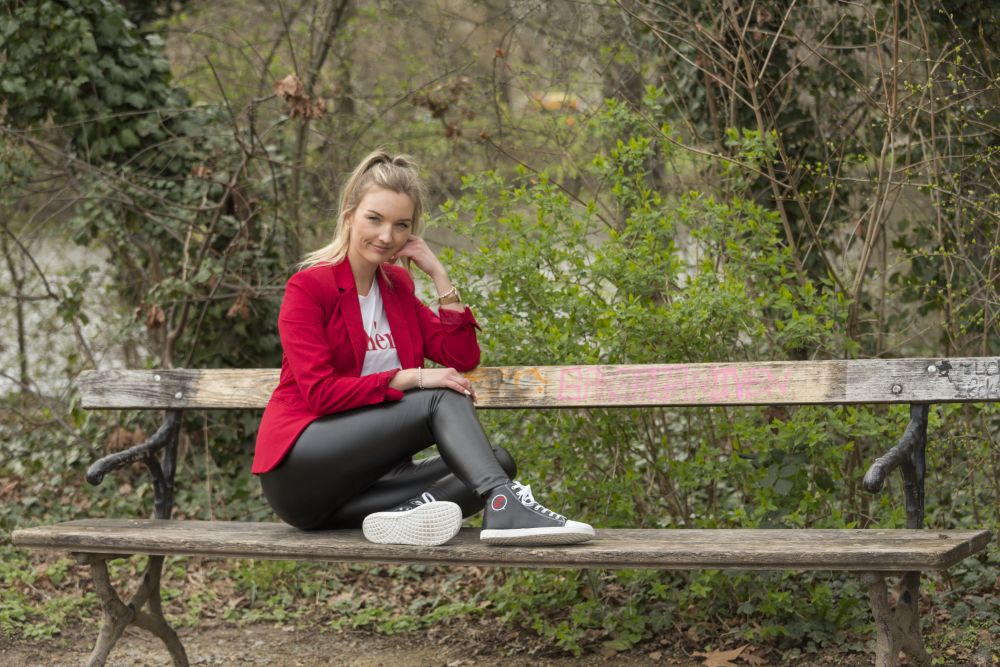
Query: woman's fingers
[420, 254]
[415, 248]
[459, 388]
[459, 383]
[449, 378]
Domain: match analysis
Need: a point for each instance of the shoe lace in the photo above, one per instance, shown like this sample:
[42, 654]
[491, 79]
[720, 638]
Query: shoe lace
[523, 492]
[423, 499]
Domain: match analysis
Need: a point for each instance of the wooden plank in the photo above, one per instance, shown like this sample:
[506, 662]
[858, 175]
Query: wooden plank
[748, 383]
[796, 549]
[177, 388]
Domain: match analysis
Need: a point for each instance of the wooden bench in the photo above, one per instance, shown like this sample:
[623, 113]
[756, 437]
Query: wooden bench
[873, 554]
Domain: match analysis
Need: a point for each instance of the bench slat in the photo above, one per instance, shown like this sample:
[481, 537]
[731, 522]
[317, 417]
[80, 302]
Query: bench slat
[974, 379]
[777, 549]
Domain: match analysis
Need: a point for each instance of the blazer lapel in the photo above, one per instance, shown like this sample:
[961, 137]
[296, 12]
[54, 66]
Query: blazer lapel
[398, 322]
[350, 310]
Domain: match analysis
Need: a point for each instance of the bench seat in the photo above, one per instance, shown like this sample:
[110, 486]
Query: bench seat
[741, 549]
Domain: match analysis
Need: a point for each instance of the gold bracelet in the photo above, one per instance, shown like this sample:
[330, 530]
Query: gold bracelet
[420, 378]
[451, 296]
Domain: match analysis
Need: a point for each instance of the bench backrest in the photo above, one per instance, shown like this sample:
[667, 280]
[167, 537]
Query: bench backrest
[955, 380]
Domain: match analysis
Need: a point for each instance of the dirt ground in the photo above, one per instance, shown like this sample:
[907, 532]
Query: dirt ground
[271, 645]
[285, 646]
[274, 645]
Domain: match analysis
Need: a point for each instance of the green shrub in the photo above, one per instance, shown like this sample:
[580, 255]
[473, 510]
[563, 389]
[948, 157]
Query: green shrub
[628, 275]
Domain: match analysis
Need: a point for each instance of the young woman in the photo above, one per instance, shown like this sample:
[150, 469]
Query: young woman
[354, 402]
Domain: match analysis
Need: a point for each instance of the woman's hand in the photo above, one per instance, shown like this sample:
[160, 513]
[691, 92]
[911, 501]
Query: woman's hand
[421, 254]
[447, 378]
[433, 378]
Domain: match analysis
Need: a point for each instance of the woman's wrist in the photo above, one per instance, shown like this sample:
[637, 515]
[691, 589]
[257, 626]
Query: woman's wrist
[438, 274]
[406, 379]
[447, 291]
[442, 284]
[451, 296]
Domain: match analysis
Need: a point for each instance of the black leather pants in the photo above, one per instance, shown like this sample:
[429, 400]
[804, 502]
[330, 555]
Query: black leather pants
[347, 465]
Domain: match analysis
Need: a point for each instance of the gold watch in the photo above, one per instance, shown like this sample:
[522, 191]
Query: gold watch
[451, 296]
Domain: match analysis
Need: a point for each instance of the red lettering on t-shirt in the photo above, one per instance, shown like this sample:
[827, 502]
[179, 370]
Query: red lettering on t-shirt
[381, 342]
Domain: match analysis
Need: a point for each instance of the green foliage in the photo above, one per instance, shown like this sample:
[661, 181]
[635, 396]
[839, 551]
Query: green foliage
[167, 186]
[603, 280]
[21, 614]
[169, 191]
[83, 65]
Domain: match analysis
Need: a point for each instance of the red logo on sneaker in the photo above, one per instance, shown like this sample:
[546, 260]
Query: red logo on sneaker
[499, 502]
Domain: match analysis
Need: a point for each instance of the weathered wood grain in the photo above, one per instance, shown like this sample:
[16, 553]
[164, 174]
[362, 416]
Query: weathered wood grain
[973, 379]
[177, 388]
[798, 549]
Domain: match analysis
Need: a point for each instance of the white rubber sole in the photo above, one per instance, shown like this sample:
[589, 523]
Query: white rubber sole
[572, 533]
[428, 525]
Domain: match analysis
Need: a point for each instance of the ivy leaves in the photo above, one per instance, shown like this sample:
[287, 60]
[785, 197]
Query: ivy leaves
[82, 66]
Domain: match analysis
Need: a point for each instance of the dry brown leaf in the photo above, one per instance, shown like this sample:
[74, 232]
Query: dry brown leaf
[290, 86]
[121, 438]
[9, 488]
[300, 105]
[608, 652]
[240, 306]
[155, 317]
[722, 658]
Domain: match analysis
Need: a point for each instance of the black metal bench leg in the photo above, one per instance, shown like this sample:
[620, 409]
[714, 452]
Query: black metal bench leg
[117, 615]
[154, 621]
[897, 628]
[906, 620]
[913, 469]
[909, 457]
[886, 648]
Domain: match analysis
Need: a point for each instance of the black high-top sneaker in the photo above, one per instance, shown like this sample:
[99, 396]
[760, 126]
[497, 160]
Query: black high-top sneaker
[420, 521]
[512, 516]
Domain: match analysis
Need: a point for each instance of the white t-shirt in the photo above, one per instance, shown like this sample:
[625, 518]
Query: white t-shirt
[380, 355]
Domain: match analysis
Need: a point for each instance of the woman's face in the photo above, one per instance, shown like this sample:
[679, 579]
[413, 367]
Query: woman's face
[380, 226]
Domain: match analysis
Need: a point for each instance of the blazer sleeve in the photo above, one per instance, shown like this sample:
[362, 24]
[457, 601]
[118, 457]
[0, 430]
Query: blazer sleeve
[449, 336]
[302, 329]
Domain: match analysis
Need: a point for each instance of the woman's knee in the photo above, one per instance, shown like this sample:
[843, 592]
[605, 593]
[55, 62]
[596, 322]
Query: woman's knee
[506, 461]
[448, 397]
[287, 503]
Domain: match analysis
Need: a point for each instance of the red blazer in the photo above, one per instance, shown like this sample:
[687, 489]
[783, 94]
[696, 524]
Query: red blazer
[324, 345]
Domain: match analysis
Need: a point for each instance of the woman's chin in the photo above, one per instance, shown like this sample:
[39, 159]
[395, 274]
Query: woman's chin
[375, 259]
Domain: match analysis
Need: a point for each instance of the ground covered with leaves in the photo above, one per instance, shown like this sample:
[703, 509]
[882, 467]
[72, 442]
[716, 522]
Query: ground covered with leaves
[270, 613]
[287, 645]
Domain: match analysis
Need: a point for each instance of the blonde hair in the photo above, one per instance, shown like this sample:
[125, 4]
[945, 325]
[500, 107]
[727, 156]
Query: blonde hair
[377, 170]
